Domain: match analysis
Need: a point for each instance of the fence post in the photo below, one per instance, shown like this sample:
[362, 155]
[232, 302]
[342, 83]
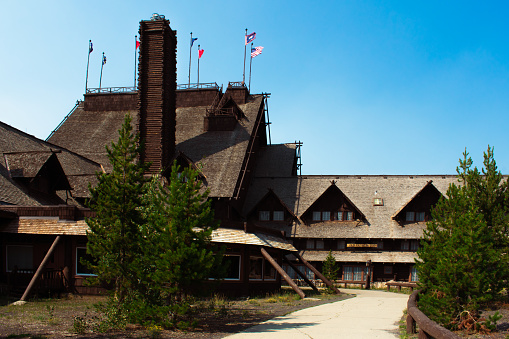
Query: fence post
[410, 324]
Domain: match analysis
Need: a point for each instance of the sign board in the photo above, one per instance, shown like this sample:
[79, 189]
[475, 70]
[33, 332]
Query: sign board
[361, 245]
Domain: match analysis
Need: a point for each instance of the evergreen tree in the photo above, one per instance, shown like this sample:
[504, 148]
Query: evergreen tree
[462, 259]
[177, 252]
[330, 270]
[114, 236]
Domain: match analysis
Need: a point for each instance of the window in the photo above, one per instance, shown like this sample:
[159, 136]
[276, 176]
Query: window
[319, 244]
[405, 245]
[325, 215]
[310, 244]
[355, 273]
[378, 202]
[279, 215]
[387, 269]
[414, 245]
[339, 215]
[264, 215]
[419, 216]
[414, 276]
[81, 269]
[410, 216]
[341, 245]
[380, 245]
[232, 262]
[349, 216]
[317, 216]
[19, 257]
[255, 268]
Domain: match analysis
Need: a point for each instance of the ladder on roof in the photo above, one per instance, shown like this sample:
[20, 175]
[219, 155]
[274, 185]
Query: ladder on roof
[78, 102]
[266, 113]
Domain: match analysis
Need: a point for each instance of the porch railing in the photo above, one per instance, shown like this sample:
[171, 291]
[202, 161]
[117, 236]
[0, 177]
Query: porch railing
[107, 90]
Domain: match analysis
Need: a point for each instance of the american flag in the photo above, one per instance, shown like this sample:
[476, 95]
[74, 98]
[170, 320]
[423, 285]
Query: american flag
[104, 59]
[250, 37]
[256, 51]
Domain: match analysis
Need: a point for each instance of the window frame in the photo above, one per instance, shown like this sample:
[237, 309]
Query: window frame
[240, 265]
[78, 263]
[7, 269]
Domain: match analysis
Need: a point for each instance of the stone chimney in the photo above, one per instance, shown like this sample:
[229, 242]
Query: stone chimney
[157, 82]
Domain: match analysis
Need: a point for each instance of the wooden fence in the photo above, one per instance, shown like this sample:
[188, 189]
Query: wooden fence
[427, 327]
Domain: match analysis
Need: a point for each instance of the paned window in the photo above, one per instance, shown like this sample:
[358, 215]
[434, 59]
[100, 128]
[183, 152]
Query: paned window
[232, 262]
[419, 216]
[317, 216]
[341, 244]
[413, 274]
[387, 269]
[378, 202]
[349, 216]
[339, 216]
[405, 245]
[319, 244]
[310, 244]
[279, 215]
[357, 273]
[325, 215]
[348, 273]
[264, 215]
[410, 216]
[414, 245]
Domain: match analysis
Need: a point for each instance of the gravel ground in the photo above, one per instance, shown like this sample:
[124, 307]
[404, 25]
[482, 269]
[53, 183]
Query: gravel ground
[56, 318]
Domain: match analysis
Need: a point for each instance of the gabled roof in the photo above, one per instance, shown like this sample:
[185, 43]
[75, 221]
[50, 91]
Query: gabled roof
[26, 164]
[428, 185]
[335, 190]
[182, 158]
[299, 193]
[271, 193]
[276, 161]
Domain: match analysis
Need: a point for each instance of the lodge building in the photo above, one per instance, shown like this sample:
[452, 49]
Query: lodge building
[271, 216]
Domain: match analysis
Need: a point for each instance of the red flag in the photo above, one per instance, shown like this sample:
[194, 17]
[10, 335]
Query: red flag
[200, 53]
[137, 44]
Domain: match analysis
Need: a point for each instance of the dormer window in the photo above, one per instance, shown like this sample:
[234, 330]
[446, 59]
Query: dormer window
[325, 215]
[415, 216]
[317, 216]
[378, 202]
[279, 215]
[264, 215]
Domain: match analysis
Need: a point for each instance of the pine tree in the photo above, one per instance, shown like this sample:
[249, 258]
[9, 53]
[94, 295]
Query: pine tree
[330, 270]
[114, 236]
[462, 259]
[177, 252]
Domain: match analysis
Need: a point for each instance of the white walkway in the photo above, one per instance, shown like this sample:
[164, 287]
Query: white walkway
[371, 314]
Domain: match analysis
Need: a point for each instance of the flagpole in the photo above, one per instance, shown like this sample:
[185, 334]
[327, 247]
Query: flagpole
[190, 50]
[88, 62]
[198, 66]
[250, 63]
[244, 72]
[101, 77]
[135, 48]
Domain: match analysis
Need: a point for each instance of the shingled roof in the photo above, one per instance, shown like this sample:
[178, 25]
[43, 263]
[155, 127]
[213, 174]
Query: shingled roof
[299, 193]
[22, 157]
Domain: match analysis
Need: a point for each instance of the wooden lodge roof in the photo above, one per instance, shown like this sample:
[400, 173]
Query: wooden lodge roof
[234, 236]
[299, 193]
[356, 257]
[220, 153]
[23, 156]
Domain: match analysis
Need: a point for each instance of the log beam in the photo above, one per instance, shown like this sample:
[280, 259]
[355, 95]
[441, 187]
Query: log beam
[282, 272]
[302, 275]
[317, 273]
[40, 269]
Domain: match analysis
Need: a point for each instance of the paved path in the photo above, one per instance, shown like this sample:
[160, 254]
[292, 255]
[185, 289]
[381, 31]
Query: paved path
[371, 314]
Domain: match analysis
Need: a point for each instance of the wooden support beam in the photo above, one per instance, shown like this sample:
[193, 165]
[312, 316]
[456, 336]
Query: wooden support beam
[302, 275]
[315, 271]
[40, 269]
[281, 271]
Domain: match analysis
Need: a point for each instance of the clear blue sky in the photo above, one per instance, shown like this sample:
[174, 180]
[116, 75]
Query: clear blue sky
[369, 87]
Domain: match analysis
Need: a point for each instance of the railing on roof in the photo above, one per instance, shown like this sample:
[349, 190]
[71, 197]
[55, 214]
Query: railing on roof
[205, 85]
[111, 90]
[78, 102]
[236, 84]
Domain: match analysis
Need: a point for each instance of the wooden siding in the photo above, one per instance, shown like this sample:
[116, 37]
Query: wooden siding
[111, 102]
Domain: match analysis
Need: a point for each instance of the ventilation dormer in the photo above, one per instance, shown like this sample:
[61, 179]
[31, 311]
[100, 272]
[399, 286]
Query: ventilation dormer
[224, 113]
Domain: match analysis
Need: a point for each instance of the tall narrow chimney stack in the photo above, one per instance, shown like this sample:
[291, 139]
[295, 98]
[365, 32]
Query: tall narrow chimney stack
[157, 82]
